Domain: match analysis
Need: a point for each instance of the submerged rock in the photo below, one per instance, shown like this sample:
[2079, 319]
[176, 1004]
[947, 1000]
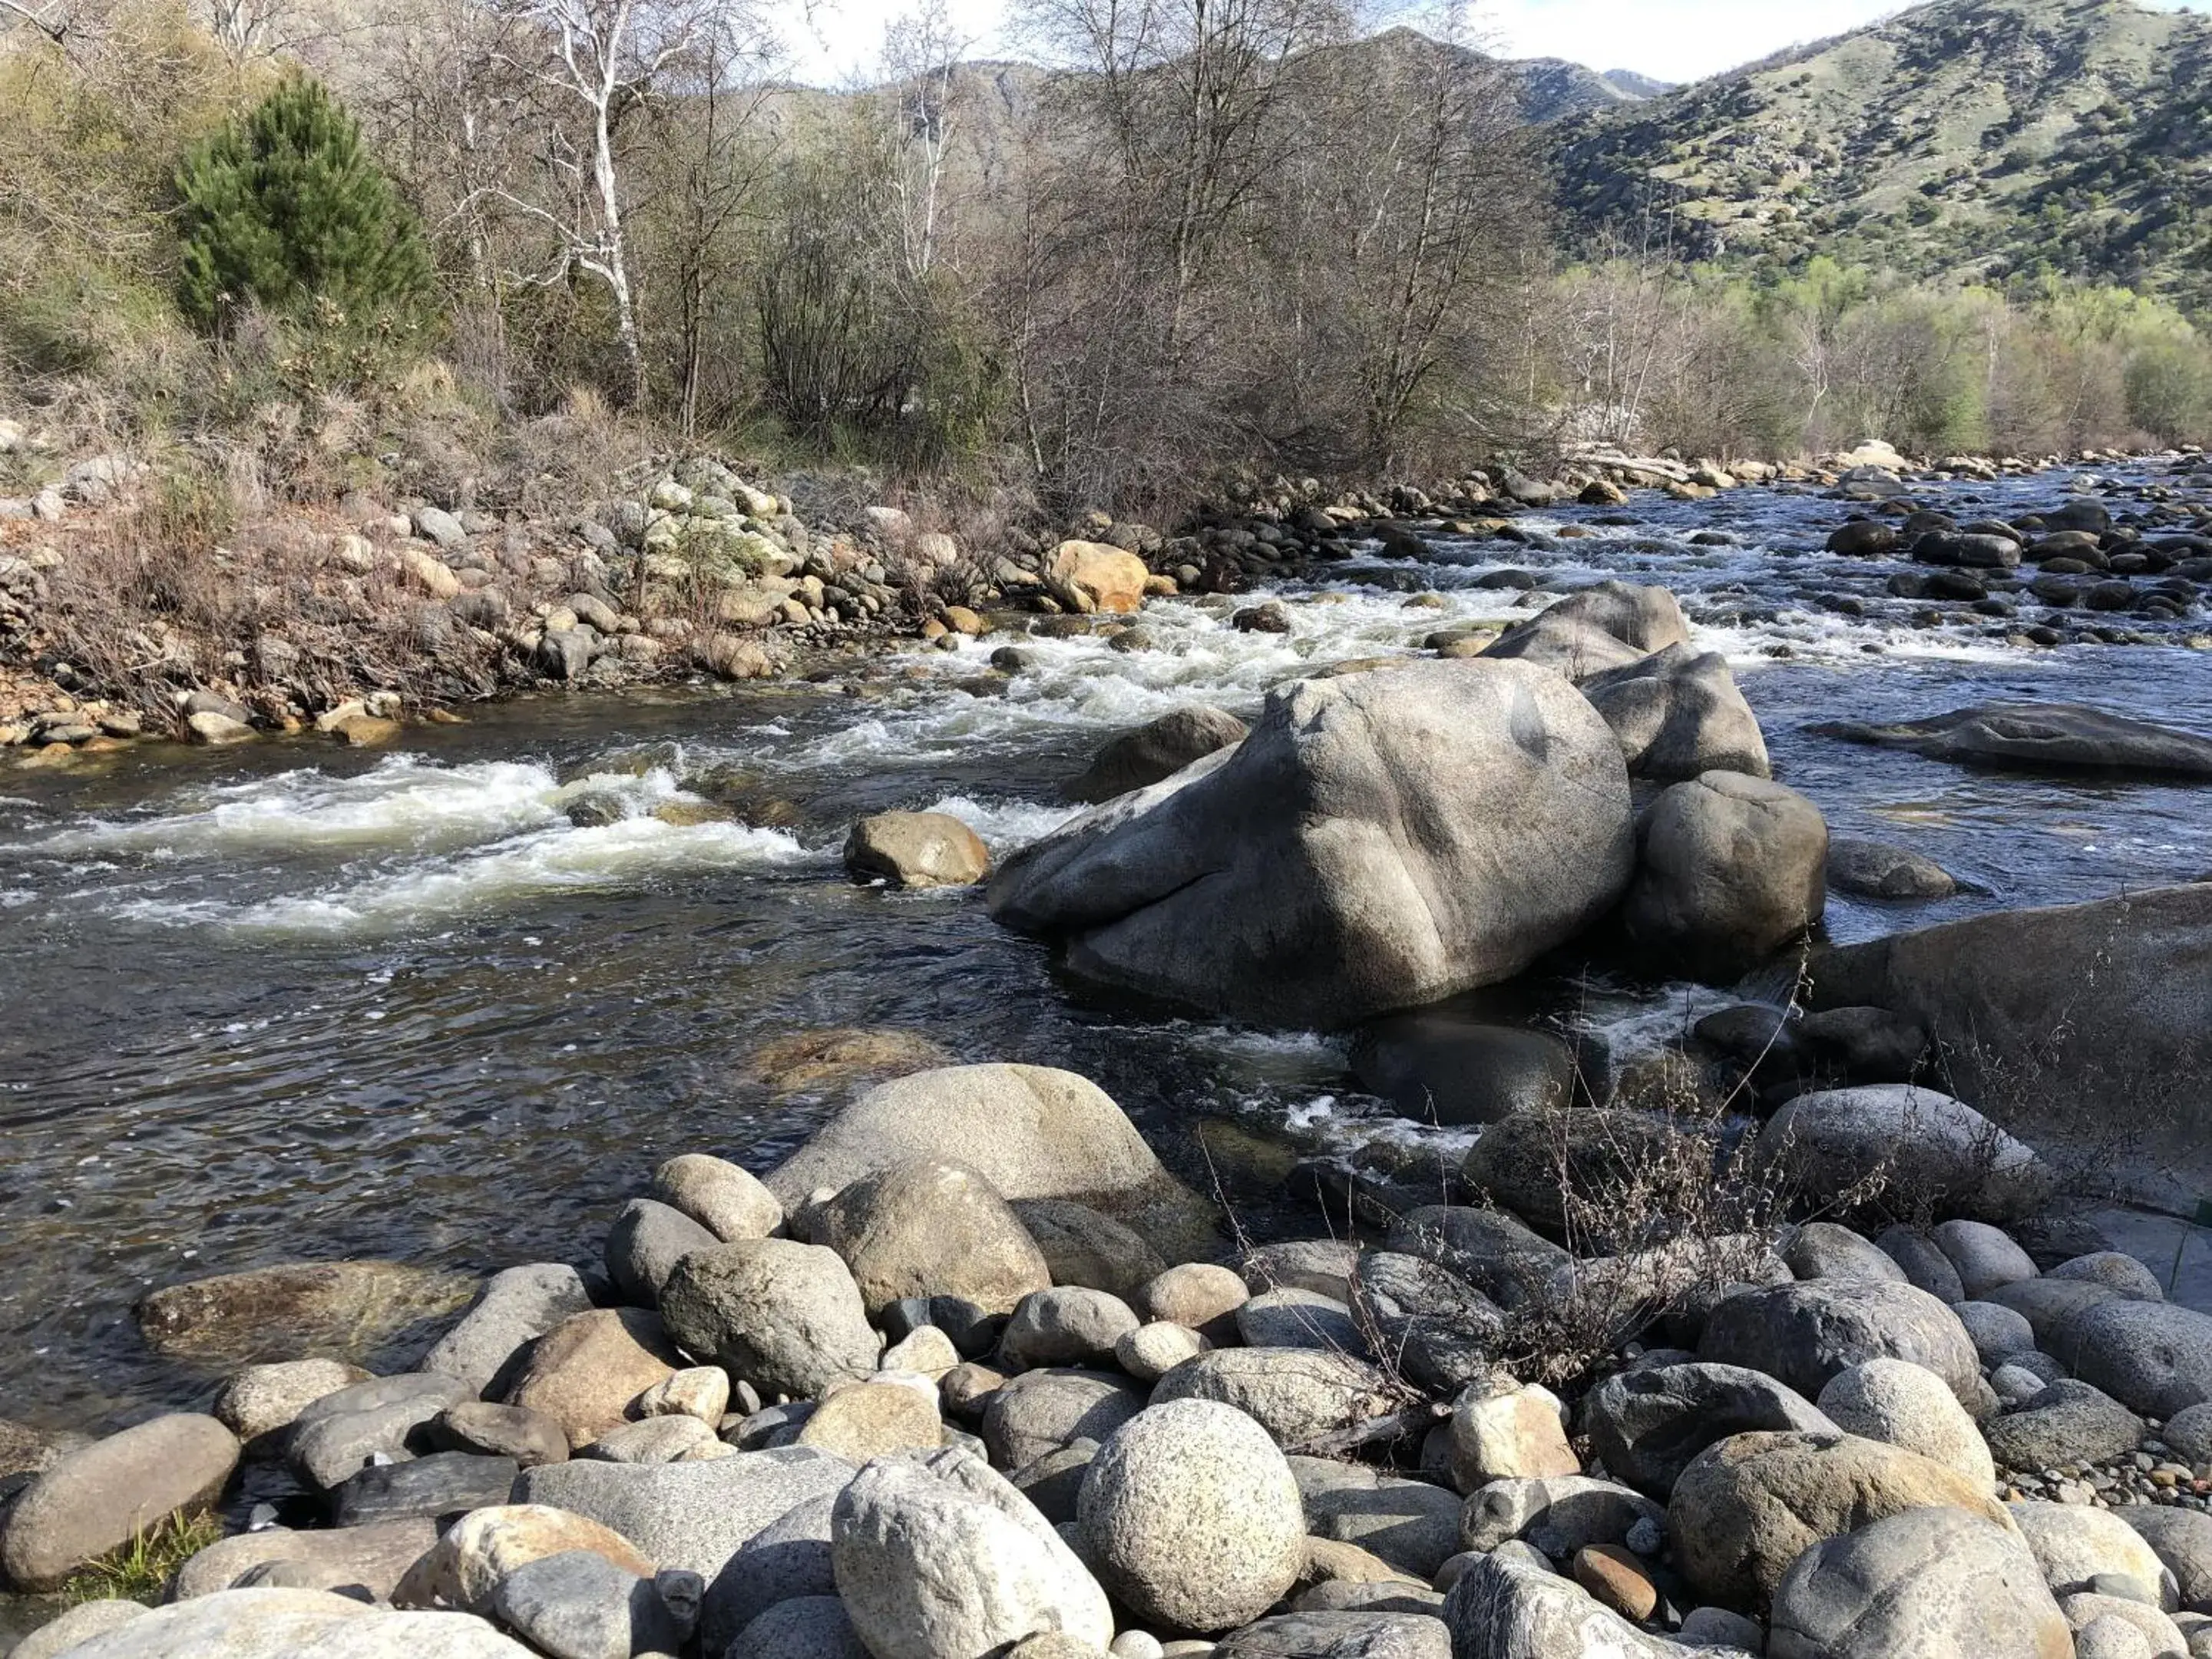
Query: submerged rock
[1379, 842]
[2042, 737]
[346, 1309]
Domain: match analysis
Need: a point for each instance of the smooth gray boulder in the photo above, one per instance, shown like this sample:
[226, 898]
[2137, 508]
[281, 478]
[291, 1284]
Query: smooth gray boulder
[1985, 1256]
[1729, 869]
[488, 1348]
[1807, 1333]
[1299, 1395]
[578, 1605]
[2182, 1539]
[1650, 1426]
[1822, 1249]
[2155, 1357]
[1925, 1266]
[784, 1317]
[804, 1627]
[1751, 1504]
[1495, 1251]
[1158, 749]
[1380, 842]
[1610, 626]
[927, 1229]
[1433, 1324]
[1993, 989]
[644, 1245]
[937, 1555]
[1339, 1635]
[694, 1516]
[1411, 1524]
[1921, 1146]
[1065, 1326]
[789, 1560]
[725, 1198]
[2062, 1422]
[77, 1624]
[335, 1437]
[1926, 1583]
[1029, 1131]
[1906, 1405]
[1042, 1411]
[288, 1624]
[1678, 712]
[366, 1560]
[101, 1496]
[2042, 737]
[1506, 1608]
[1997, 1331]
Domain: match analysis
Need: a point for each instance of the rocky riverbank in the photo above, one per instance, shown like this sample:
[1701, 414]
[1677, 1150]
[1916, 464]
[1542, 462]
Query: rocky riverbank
[1792, 1339]
[126, 616]
[971, 1375]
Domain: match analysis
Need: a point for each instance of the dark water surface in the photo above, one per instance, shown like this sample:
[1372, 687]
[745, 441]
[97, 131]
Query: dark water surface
[292, 1001]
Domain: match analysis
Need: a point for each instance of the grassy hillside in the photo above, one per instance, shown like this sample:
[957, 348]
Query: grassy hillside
[2001, 140]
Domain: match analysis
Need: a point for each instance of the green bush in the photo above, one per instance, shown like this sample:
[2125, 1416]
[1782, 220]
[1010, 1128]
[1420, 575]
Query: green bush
[285, 211]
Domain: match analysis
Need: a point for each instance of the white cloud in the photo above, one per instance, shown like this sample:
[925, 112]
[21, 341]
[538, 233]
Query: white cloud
[835, 40]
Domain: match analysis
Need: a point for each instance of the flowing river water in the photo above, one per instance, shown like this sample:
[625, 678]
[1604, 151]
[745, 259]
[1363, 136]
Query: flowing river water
[289, 1001]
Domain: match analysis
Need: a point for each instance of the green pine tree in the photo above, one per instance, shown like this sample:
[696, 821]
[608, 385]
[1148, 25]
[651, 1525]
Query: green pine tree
[286, 210]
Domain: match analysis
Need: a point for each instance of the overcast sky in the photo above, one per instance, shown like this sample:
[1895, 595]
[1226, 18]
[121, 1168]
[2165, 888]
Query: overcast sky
[833, 40]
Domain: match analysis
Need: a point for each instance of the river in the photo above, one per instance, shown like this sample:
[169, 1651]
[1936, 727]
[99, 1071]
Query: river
[291, 1001]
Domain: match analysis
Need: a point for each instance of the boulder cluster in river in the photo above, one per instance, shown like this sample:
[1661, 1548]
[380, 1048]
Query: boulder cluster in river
[972, 1374]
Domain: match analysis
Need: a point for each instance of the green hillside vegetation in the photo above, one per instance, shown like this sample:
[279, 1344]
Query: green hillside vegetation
[369, 256]
[1996, 141]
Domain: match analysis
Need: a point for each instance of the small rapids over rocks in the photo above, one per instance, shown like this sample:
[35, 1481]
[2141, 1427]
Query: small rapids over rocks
[448, 1006]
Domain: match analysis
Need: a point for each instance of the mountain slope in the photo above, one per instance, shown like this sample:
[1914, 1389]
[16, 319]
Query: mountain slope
[1991, 139]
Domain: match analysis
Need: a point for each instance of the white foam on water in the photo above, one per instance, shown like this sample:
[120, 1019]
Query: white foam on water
[403, 802]
[607, 858]
[1006, 825]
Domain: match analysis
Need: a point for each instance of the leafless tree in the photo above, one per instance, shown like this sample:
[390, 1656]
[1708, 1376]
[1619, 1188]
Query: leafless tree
[922, 60]
[591, 64]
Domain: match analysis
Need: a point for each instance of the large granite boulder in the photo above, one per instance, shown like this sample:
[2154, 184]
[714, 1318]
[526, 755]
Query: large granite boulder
[1029, 1131]
[1649, 1425]
[1918, 1147]
[1808, 1333]
[1929, 1583]
[2000, 993]
[1678, 712]
[1610, 626]
[939, 1555]
[1380, 842]
[1731, 868]
[1750, 1506]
